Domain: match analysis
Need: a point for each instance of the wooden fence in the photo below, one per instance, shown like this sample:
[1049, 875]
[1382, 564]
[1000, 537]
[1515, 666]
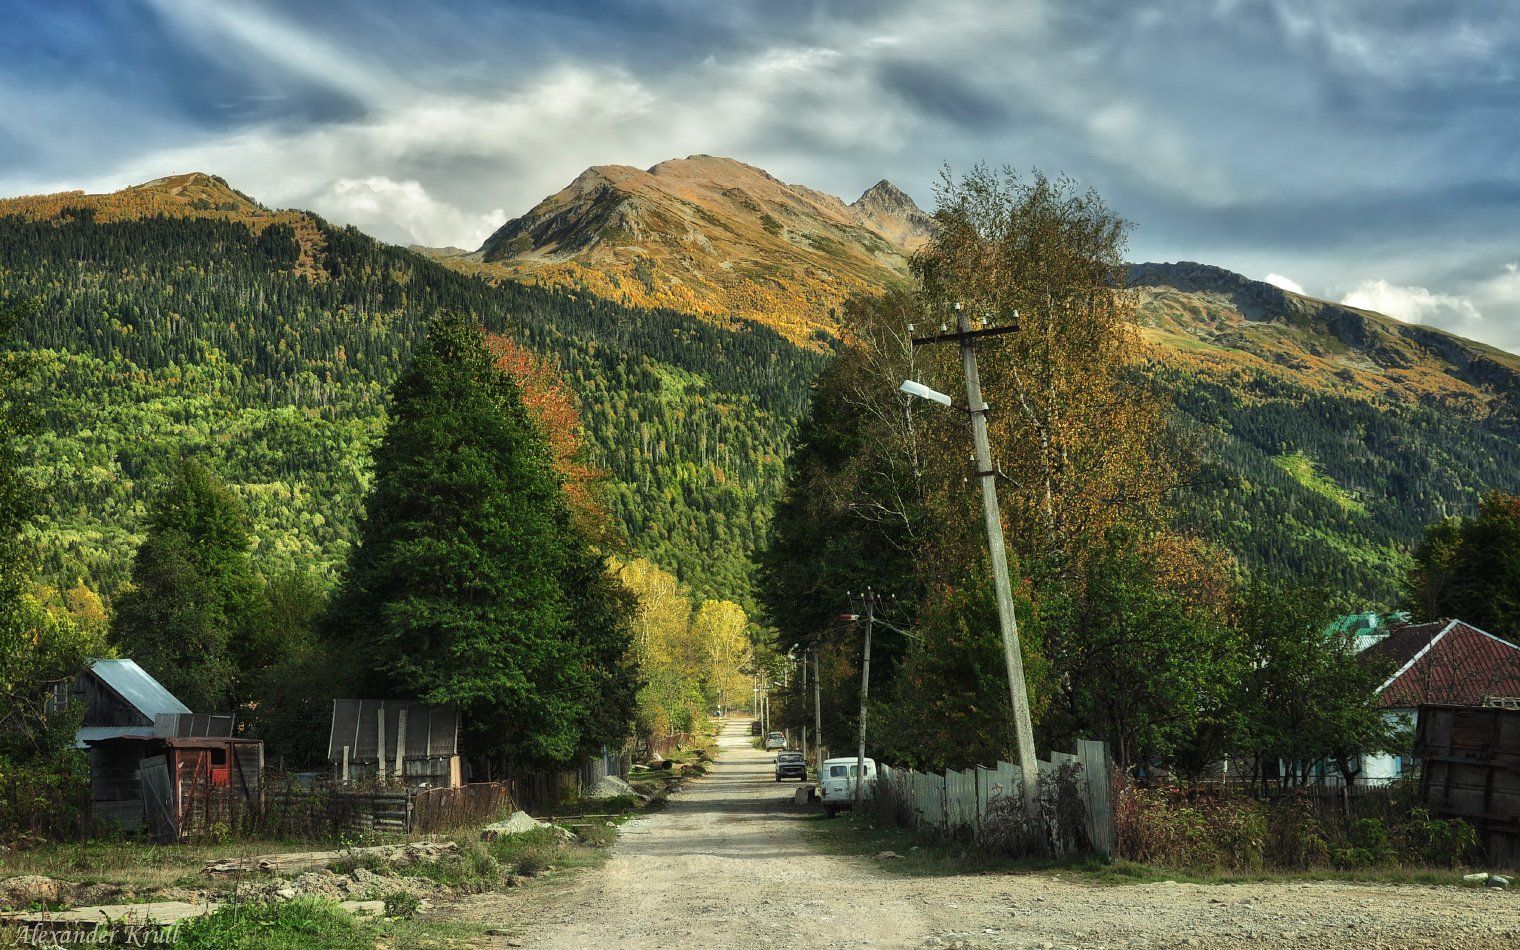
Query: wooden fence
[665, 745]
[1076, 792]
[435, 809]
[326, 810]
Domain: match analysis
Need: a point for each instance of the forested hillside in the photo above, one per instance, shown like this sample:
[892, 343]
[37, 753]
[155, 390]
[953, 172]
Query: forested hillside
[269, 356]
[183, 317]
[1329, 436]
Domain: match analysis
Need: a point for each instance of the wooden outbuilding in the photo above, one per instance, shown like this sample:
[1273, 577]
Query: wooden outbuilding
[119, 699]
[173, 786]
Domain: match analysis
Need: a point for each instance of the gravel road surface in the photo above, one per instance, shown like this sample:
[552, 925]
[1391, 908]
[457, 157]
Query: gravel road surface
[726, 865]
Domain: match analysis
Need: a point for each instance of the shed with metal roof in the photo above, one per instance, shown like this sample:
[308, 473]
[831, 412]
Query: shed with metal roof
[119, 697]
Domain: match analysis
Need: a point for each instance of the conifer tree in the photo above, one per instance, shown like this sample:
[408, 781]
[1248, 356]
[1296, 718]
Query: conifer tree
[471, 583]
[193, 615]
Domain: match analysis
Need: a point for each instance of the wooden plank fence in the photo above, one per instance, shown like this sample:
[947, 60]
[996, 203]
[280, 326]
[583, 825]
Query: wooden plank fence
[959, 802]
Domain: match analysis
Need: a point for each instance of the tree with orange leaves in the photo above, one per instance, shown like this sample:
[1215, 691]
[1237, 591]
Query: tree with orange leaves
[551, 404]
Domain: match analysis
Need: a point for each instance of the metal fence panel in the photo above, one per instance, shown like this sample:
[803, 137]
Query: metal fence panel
[960, 800]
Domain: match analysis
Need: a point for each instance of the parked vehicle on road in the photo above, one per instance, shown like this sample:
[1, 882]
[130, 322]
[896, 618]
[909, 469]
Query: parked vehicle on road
[836, 784]
[775, 740]
[791, 765]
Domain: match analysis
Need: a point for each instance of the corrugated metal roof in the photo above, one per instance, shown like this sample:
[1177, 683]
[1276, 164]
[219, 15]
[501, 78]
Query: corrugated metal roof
[133, 684]
[430, 730]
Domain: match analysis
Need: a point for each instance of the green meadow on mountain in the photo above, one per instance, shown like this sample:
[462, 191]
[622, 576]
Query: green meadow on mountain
[182, 318]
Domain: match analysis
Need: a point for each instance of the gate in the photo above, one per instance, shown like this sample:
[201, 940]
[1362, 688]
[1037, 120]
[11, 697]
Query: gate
[158, 799]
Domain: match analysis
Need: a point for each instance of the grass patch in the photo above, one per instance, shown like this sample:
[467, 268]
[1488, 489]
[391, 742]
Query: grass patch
[1302, 469]
[316, 925]
[134, 864]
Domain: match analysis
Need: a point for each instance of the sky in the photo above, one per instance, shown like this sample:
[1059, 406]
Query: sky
[1365, 151]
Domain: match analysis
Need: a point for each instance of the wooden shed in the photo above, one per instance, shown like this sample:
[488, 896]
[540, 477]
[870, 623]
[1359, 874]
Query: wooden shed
[172, 786]
[395, 740]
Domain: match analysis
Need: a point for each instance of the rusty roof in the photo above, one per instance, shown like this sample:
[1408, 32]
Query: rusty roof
[1448, 662]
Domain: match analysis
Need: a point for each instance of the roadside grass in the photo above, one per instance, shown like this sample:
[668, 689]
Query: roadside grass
[926, 856]
[134, 864]
[318, 925]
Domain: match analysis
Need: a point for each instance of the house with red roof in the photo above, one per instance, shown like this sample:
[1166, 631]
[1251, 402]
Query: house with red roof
[1446, 662]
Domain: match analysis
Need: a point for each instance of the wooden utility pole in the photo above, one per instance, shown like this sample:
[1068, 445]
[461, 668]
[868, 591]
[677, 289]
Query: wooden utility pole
[817, 716]
[865, 692]
[986, 472]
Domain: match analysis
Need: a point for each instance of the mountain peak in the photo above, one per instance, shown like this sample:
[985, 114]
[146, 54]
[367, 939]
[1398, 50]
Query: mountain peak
[185, 195]
[716, 237]
[887, 210]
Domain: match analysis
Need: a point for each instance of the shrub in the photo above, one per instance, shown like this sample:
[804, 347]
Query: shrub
[402, 904]
[1217, 830]
[1435, 842]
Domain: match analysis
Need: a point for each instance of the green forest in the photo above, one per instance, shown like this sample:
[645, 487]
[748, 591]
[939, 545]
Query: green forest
[164, 338]
[170, 337]
[1325, 487]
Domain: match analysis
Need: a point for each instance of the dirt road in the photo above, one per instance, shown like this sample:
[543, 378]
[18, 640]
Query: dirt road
[726, 865]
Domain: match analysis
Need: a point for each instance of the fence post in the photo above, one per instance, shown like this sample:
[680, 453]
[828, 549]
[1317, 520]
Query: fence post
[401, 744]
[1099, 799]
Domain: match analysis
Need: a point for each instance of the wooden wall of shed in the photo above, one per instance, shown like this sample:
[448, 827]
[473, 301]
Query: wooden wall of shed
[103, 707]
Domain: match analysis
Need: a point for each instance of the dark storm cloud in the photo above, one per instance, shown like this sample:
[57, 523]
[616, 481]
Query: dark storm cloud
[1339, 143]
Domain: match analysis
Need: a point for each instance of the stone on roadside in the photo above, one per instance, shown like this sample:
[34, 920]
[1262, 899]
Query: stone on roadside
[1476, 878]
[886, 855]
[1498, 880]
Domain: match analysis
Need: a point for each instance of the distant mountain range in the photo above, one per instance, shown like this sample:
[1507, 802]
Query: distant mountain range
[1331, 435]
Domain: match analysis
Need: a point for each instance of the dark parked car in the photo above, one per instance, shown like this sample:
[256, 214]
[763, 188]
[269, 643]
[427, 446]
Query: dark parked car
[754, 728]
[791, 765]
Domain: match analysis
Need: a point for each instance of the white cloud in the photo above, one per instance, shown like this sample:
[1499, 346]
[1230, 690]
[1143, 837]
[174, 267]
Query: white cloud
[379, 205]
[1416, 305]
[1286, 283]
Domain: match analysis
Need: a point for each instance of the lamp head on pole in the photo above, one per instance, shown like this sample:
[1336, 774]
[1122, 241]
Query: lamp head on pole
[923, 392]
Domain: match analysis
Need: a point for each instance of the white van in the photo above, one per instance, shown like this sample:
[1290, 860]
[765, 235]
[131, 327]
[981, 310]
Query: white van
[836, 784]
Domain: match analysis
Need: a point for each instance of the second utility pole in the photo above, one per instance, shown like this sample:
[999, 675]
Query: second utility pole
[986, 472]
[865, 692]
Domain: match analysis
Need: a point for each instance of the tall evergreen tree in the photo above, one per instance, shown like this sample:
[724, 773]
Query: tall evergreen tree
[193, 615]
[471, 583]
[1470, 568]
